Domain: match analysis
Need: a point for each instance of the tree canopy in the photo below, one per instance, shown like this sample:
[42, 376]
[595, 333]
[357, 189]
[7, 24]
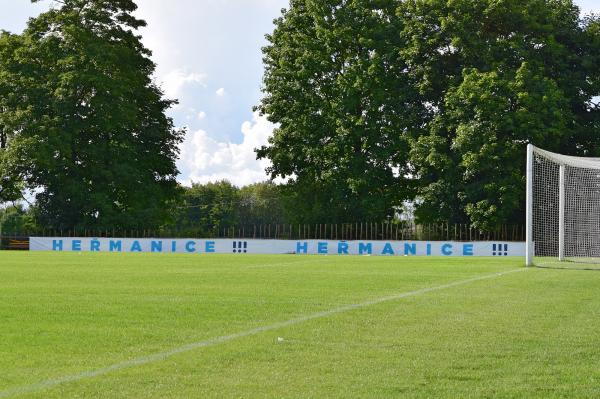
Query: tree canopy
[82, 124]
[339, 97]
[378, 103]
[433, 101]
[205, 209]
[497, 75]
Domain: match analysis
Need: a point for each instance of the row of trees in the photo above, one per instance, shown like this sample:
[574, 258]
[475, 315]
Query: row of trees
[199, 209]
[213, 206]
[378, 103]
[83, 129]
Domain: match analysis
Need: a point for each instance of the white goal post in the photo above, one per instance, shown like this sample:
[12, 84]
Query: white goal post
[563, 208]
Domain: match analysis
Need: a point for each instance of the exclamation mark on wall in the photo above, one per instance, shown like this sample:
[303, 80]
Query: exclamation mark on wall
[239, 247]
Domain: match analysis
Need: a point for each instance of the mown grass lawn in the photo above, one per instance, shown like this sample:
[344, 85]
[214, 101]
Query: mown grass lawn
[119, 325]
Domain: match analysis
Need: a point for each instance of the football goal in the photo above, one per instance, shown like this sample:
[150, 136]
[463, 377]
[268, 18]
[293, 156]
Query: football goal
[563, 210]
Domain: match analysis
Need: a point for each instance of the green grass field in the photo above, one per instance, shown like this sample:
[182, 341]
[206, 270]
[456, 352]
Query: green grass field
[224, 326]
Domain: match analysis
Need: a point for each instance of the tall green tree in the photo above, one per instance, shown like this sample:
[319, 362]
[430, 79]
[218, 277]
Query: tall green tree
[378, 101]
[83, 125]
[334, 86]
[496, 75]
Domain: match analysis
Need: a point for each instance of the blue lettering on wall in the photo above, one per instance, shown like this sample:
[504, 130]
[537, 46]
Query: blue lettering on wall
[156, 246]
[447, 249]
[338, 247]
[468, 249]
[343, 248]
[95, 246]
[76, 245]
[410, 249]
[190, 246]
[387, 249]
[210, 247]
[136, 247]
[57, 245]
[322, 248]
[115, 246]
[362, 248]
[301, 248]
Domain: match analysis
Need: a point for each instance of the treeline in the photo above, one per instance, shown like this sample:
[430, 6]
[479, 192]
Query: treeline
[205, 209]
[202, 210]
[212, 206]
[222, 210]
[377, 104]
[380, 102]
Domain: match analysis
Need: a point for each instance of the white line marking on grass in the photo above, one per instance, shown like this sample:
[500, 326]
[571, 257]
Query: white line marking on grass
[225, 338]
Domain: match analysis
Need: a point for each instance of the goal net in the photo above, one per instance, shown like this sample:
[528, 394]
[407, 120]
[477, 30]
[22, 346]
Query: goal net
[563, 210]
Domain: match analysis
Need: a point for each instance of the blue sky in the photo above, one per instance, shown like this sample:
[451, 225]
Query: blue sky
[208, 55]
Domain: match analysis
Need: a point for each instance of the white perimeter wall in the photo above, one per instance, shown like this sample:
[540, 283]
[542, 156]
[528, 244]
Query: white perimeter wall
[241, 246]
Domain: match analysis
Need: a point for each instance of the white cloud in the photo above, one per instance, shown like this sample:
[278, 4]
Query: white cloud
[204, 159]
[588, 6]
[201, 115]
[221, 92]
[174, 82]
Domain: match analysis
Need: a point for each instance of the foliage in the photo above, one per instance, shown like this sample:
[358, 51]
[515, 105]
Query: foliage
[262, 203]
[496, 75]
[435, 100]
[206, 208]
[336, 92]
[83, 125]
[17, 219]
